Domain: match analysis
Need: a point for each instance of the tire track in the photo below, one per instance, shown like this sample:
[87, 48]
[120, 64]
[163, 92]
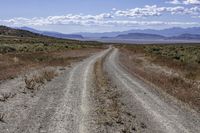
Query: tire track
[72, 114]
[162, 115]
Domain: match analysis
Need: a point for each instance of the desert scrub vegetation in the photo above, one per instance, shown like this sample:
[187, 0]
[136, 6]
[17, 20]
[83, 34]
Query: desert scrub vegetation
[24, 57]
[173, 68]
[48, 75]
[21, 50]
[6, 49]
[185, 58]
[39, 47]
[35, 81]
[4, 96]
[182, 53]
[181, 57]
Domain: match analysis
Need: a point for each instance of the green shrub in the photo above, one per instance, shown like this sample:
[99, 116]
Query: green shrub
[6, 49]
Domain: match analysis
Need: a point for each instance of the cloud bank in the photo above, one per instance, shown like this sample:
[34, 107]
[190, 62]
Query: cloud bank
[116, 17]
[154, 10]
[185, 2]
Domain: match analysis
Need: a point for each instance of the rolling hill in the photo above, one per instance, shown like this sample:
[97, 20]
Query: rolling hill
[54, 34]
[7, 31]
[18, 36]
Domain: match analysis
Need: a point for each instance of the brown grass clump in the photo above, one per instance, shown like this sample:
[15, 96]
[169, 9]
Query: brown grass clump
[6, 95]
[48, 75]
[31, 83]
[34, 82]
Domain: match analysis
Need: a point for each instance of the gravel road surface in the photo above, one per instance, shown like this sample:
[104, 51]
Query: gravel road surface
[72, 102]
[162, 116]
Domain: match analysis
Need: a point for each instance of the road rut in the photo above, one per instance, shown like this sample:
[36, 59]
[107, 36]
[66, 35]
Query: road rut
[124, 102]
[71, 115]
[162, 116]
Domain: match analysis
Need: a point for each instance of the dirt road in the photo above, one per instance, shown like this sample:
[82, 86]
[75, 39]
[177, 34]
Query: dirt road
[161, 115]
[104, 97]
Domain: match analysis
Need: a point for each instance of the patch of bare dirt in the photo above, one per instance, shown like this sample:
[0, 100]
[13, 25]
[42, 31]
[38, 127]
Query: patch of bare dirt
[19, 96]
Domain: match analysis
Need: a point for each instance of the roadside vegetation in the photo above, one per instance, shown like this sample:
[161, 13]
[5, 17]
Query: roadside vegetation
[185, 58]
[34, 82]
[23, 50]
[32, 60]
[175, 68]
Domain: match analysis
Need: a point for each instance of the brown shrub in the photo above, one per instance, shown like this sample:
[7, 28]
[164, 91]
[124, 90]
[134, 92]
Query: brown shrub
[6, 95]
[34, 82]
[48, 75]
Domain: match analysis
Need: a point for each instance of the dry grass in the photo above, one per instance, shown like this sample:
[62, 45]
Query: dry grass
[4, 96]
[12, 64]
[183, 86]
[35, 81]
[110, 110]
[48, 75]
[31, 83]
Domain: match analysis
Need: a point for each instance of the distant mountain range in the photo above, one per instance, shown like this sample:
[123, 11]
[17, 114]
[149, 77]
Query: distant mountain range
[187, 37]
[147, 34]
[144, 36]
[139, 36]
[54, 34]
[176, 31]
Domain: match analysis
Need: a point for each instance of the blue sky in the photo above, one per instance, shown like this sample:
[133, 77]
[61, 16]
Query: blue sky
[71, 16]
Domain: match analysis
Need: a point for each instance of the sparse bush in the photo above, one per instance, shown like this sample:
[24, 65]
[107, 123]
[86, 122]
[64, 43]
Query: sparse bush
[34, 82]
[6, 95]
[30, 83]
[48, 75]
[6, 49]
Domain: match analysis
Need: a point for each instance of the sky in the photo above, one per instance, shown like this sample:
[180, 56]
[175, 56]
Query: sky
[74, 16]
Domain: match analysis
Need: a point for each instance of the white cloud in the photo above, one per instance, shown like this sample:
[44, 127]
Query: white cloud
[174, 2]
[149, 11]
[140, 12]
[191, 2]
[185, 2]
[86, 21]
[65, 19]
[115, 17]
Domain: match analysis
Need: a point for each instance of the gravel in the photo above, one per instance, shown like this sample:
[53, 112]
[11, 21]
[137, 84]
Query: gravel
[68, 103]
